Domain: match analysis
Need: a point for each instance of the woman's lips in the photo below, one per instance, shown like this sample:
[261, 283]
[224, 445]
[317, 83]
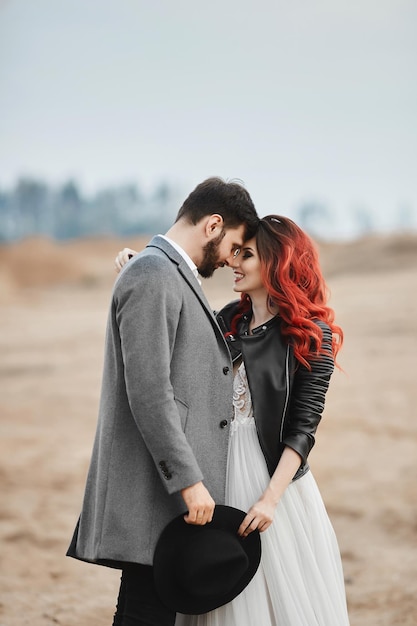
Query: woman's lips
[238, 276]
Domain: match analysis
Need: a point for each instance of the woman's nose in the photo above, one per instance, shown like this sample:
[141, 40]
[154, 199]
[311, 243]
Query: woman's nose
[232, 261]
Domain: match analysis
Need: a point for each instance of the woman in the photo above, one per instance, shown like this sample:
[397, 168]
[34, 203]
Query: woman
[283, 342]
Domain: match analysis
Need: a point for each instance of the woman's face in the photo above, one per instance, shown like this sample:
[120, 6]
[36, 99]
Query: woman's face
[247, 270]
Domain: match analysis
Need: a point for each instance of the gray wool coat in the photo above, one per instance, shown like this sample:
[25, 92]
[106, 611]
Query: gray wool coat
[165, 410]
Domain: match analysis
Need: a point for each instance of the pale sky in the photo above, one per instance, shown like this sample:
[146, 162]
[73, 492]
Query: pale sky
[302, 100]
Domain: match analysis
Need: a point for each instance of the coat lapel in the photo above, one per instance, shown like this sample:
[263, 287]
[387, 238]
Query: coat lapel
[186, 273]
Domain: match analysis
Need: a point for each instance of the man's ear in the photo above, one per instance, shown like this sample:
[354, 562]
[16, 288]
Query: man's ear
[214, 226]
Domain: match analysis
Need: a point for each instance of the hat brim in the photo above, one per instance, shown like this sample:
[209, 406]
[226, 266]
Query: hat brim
[166, 556]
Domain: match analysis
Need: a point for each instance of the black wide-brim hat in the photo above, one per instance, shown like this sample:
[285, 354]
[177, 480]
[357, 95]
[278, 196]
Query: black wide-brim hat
[199, 568]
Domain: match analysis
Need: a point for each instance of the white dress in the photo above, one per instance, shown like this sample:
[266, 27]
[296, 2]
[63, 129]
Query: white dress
[300, 579]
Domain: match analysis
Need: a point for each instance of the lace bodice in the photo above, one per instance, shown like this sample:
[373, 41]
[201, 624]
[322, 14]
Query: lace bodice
[242, 400]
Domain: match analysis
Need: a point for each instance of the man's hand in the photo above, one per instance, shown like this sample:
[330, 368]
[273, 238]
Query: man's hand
[199, 503]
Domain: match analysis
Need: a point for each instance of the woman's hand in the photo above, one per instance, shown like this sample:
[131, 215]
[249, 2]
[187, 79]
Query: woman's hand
[123, 257]
[259, 516]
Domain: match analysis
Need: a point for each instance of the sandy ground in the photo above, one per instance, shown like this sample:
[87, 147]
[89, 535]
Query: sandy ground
[53, 309]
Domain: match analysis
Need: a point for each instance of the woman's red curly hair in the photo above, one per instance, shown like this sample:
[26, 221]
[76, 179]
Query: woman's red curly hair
[292, 276]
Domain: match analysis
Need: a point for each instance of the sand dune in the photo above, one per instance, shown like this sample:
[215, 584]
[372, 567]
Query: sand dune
[53, 308]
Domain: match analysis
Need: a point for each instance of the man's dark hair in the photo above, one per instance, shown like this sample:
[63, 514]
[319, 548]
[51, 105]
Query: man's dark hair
[228, 199]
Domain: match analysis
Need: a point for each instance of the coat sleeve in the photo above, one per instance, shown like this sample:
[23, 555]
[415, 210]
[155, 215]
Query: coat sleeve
[148, 301]
[308, 398]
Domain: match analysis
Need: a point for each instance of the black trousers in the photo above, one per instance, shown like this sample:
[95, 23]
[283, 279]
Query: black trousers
[138, 603]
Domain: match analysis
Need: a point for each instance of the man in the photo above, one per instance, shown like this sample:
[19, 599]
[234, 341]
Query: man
[166, 400]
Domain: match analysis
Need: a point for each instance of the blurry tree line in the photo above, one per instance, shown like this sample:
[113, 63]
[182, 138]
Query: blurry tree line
[33, 207]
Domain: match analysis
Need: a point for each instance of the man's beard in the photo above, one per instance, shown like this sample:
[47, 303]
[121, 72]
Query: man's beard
[211, 260]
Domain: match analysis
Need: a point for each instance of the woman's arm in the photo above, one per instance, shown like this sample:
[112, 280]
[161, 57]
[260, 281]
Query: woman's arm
[308, 398]
[306, 407]
[261, 514]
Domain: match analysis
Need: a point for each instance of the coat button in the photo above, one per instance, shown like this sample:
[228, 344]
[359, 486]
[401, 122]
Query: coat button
[226, 370]
[223, 424]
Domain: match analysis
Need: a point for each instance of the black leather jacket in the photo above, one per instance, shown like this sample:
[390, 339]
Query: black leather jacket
[287, 398]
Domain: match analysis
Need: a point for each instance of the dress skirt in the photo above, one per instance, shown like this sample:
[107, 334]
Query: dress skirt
[300, 579]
